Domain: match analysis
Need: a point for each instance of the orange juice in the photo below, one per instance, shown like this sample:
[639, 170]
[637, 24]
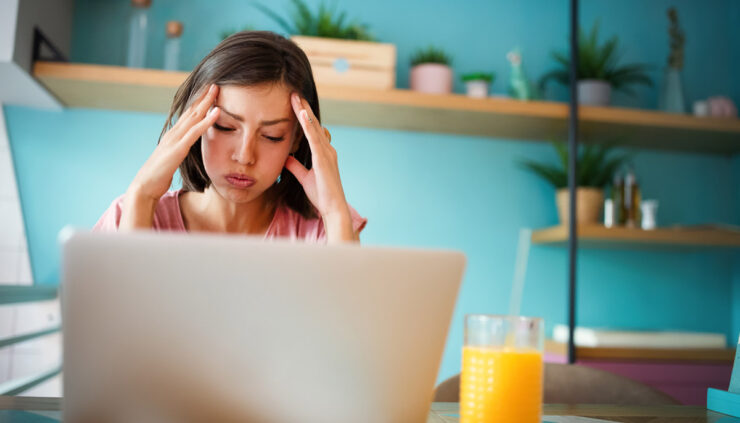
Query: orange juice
[500, 385]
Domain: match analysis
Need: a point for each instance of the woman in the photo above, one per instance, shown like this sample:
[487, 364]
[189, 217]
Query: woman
[252, 154]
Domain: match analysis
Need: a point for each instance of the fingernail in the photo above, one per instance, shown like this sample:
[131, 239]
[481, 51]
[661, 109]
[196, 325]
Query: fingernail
[304, 113]
[213, 111]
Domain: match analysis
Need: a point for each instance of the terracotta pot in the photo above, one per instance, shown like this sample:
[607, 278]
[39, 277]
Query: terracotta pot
[590, 201]
[432, 78]
[594, 92]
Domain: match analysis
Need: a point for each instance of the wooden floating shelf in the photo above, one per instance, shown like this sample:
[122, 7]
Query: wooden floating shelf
[720, 355]
[149, 90]
[610, 237]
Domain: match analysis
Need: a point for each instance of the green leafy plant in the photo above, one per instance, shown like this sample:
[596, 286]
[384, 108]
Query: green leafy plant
[598, 61]
[430, 54]
[478, 76]
[325, 22]
[595, 166]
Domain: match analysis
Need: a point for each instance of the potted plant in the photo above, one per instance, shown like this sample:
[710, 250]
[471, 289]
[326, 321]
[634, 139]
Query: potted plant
[595, 167]
[478, 83]
[598, 71]
[341, 52]
[430, 71]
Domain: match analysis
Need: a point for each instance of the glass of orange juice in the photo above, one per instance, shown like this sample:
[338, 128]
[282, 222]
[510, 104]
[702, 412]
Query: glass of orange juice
[502, 371]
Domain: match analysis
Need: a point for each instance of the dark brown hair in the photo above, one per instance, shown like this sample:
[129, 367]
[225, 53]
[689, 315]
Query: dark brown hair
[250, 58]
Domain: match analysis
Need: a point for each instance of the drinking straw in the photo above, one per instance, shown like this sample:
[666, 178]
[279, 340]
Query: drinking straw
[520, 271]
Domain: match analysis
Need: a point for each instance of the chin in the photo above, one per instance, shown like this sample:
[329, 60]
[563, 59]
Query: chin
[237, 195]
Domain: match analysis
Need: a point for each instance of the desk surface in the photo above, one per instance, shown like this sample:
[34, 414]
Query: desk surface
[441, 412]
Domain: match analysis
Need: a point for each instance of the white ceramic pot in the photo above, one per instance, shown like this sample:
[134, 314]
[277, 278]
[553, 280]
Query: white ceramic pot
[432, 78]
[477, 88]
[594, 92]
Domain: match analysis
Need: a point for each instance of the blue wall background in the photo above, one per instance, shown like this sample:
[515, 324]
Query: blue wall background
[448, 191]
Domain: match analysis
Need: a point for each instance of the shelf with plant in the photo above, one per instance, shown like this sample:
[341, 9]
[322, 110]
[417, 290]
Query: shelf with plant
[341, 51]
[150, 90]
[599, 71]
[477, 84]
[431, 71]
[596, 166]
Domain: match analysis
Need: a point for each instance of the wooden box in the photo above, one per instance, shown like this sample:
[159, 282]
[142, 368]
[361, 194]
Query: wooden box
[350, 63]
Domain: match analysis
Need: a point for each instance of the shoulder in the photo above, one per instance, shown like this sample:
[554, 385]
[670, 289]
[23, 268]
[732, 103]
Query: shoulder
[288, 223]
[167, 215]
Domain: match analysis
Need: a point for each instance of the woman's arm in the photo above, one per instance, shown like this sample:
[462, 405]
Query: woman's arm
[155, 177]
[321, 183]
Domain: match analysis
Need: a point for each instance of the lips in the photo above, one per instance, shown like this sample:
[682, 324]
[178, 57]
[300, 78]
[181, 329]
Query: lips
[240, 181]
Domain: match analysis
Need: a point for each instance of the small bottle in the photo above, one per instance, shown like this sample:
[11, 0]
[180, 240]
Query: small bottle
[618, 200]
[609, 213]
[138, 23]
[172, 46]
[649, 211]
[631, 200]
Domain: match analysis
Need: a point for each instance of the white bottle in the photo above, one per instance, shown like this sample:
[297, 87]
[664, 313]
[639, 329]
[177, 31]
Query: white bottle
[138, 24]
[172, 46]
[649, 212]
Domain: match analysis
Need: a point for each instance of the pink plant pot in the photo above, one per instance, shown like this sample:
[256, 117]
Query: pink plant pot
[431, 78]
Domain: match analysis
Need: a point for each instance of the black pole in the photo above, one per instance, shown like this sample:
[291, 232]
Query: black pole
[572, 156]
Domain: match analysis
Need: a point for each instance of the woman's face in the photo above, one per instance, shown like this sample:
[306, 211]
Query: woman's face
[245, 150]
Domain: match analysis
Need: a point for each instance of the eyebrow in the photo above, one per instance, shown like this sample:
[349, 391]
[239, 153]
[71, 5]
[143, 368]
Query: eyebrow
[262, 123]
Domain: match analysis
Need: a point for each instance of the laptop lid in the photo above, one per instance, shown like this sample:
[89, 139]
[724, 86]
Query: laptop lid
[196, 327]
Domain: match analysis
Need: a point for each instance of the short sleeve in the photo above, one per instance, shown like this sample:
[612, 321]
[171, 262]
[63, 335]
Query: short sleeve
[110, 219]
[358, 222]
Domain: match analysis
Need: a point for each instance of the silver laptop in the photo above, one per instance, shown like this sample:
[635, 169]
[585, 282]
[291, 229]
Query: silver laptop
[215, 328]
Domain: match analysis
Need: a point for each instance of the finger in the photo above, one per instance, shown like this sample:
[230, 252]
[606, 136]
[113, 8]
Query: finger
[296, 168]
[309, 130]
[327, 133]
[199, 128]
[307, 106]
[207, 101]
[196, 112]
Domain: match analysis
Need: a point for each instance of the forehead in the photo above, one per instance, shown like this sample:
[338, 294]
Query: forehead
[264, 101]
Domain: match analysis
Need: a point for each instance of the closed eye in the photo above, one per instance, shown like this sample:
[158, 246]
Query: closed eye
[221, 128]
[274, 139]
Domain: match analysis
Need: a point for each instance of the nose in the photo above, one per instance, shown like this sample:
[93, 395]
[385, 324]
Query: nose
[245, 152]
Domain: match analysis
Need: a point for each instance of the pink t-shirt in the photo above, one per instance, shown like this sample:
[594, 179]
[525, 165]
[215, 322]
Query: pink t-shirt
[286, 223]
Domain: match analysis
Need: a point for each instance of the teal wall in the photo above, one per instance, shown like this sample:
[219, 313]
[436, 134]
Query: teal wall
[422, 189]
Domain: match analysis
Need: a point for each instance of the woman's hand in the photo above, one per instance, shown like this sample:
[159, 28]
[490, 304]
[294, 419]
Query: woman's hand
[321, 183]
[155, 177]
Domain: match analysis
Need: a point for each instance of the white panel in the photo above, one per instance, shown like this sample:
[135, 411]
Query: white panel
[50, 388]
[26, 365]
[7, 320]
[9, 266]
[8, 21]
[11, 225]
[46, 348]
[5, 362]
[25, 277]
[20, 89]
[8, 189]
[32, 317]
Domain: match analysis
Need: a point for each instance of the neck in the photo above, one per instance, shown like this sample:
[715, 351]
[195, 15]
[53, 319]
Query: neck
[221, 215]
